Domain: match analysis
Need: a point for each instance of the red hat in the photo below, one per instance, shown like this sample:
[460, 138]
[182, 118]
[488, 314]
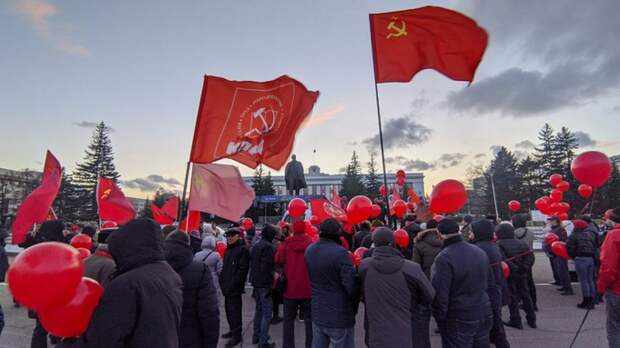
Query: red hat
[580, 224]
[299, 227]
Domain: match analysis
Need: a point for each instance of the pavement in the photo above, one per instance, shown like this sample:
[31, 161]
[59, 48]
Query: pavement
[558, 320]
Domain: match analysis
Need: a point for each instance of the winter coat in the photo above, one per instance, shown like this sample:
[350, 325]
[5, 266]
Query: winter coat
[210, 257]
[426, 248]
[200, 317]
[290, 257]
[333, 283]
[141, 307]
[460, 276]
[359, 238]
[595, 232]
[609, 272]
[526, 235]
[100, 266]
[516, 253]
[496, 278]
[392, 287]
[235, 269]
[262, 261]
[581, 243]
[412, 230]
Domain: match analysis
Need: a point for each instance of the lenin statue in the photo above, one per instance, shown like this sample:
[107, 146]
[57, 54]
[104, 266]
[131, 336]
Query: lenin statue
[294, 176]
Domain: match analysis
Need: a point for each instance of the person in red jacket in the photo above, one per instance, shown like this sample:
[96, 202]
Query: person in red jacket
[609, 279]
[297, 295]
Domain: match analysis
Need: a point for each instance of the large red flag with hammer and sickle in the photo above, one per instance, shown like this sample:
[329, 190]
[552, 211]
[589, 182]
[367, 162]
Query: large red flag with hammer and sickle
[112, 203]
[430, 37]
[250, 122]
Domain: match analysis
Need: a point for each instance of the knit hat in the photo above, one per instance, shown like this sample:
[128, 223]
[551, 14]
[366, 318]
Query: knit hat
[432, 223]
[330, 228]
[178, 236]
[447, 226]
[482, 229]
[505, 230]
[580, 224]
[269, 232]
[299, 227]
[383, 236]
[520, 220]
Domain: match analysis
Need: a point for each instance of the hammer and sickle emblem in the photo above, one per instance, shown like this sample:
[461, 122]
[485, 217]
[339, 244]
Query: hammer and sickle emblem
[395, 30]
[266, 126]
[106, 194]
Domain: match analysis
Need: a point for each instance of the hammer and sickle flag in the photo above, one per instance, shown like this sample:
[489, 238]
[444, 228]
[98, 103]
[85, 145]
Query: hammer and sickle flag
[430, 37]
[112, 203]
[250, 122]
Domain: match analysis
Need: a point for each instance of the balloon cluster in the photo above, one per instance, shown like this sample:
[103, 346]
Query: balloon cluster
[47, 278]
[552, 204]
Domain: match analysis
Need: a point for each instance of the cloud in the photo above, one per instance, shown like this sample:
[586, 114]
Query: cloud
[525, 144]
[479, 155]
[161, 180]
[152, 183]
[420, 102]
[574, 49]
[616, 108]
[495, 149]
[324, 116]
[584, 139]
[399, 132]
[449, 160]
[38, 13]
[445, 161]
[89, 125]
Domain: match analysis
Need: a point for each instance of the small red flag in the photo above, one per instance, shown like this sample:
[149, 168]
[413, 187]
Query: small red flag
[336, 198]
[36, 207]
[191, 222]
[168, 213]
[159, 216]
[324, 209]
[412, 196]
[430, 37]
[112, 203]
[250, 122]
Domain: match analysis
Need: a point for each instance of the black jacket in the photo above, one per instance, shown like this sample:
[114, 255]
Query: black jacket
[334, 284]
[235, 269]
[581, 243]
[262, 261]
[141, 307]
[460, 276]
[516, 253]
[412, 230]
[358, 239]
[426, 248]
[200, 317]
[496, 278]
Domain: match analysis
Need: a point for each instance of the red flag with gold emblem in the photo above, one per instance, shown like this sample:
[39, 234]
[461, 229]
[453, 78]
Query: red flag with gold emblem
[430, 37]
[112, 203]
[324, 209]
[250, 122]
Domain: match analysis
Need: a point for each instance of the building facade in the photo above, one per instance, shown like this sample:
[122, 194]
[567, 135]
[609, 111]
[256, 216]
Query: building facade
[15, 185]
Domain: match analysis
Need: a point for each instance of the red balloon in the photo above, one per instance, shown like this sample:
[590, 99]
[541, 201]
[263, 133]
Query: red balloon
[71, 319]
[401, 238]
[382, 190]
[296, 207]
[314, 231]
[84, 253]
[401, 174]
[400, 181]
[556, 195]
[563, 216]
[82, 241]
[448, 197]
[359, 255]
[410, 206]
[559, 249]
[359, 209]
[45, 275]
[347, 228]
[592, 168]
[563, 207]
[400, 208]
[308, 229]
[555, 179]
[376, 211]
[563, 186]
[505, 270]
[438, 218]
[221, 247]
[514, 206]
[354, 259]
[550, 238]
[247, 224]
[585, 190]
[314, 220]
[542, 203]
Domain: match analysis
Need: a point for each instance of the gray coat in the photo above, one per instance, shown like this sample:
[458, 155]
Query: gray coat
[526, 235]
[392, 287]
[210, 257]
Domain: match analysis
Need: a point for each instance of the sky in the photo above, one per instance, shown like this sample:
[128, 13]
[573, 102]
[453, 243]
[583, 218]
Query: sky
[139, 65]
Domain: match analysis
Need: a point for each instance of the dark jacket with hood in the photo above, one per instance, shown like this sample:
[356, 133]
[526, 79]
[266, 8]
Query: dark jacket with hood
[483, 239]
[392, 287]
[516, 253]
[412, 230]
[426, 248]
[141, 307]
[200, 317]
[262, 259]
[581, 242]
[290, 256]
[460, 276]
[235, 269]
[358, 239]
[50, 231]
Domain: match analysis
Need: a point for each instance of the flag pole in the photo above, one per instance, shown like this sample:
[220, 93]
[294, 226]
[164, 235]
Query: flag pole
[182, 205]
[374, 76]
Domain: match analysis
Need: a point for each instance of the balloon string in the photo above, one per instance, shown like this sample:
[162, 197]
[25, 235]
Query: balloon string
[579, 330]
[512, 258]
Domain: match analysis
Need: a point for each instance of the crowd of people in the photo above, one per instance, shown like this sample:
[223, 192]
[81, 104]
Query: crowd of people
[163, 287]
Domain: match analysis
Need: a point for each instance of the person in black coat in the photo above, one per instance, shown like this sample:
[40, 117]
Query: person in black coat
[582, 247]
[460, 275]
[412, 229]
[364, 231]
[232, 282]
[520, 259]
[141, 307]
[262, 266]
[482, 233]
[200, 317]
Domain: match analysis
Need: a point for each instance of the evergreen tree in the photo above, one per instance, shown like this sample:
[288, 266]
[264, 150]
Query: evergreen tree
[268, 188]
[146, 211]
[65, 206]
[352, 182]
[98, 161]
[503, 171]
[546, 154]
[528, 174]
[373, 179]
[565, 145]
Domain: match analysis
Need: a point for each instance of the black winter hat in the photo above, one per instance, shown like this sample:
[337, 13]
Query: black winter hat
[432, 223]
[383, 236]
[269, 232]
[482, 229]
[505, 230]
[330, 227]
[178, 236]
[232, 231]
[51, 231]
[468, 219]
[519, 220]
[89, 231]
[448, 226]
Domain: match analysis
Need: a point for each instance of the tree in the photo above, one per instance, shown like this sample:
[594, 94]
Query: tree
[352, 182]
[98, 161]
[66, 204]
[529, 175]
[503, 172]
[146, 211]
[564, 146]
[268, 188]
[373, 179]
[608, 196]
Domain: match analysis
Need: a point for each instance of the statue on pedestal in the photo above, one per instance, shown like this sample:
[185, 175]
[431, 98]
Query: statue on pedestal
[294, 176]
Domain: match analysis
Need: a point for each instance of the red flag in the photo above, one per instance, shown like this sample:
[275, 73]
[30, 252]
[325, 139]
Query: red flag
[219, 189]
[325, 209]
[159, 216]
[413, 197]
[430, 37]
[250, 122]
[191, 222]
[112, 203]
[336, 198]
[171, 207]
[36, 207]
[51, 215]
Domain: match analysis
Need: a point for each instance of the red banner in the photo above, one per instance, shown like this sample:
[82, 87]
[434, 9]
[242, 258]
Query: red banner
[325, 209]
[112, 203]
